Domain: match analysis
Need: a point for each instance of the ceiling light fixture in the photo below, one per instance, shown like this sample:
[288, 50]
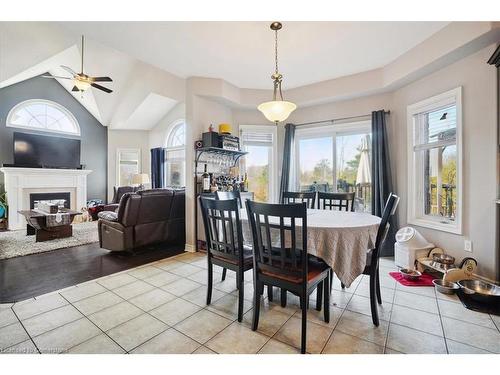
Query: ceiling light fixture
[278, 109]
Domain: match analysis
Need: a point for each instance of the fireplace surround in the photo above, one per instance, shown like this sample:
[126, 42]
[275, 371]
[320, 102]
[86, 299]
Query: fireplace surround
[20, 183]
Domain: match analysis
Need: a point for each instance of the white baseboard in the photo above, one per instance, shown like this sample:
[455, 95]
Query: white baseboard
[189, 248]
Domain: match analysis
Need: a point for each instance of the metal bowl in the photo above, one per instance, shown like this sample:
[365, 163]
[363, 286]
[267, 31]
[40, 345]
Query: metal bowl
[445, 287]
[479, 287]
[443, 259]
[410, 275]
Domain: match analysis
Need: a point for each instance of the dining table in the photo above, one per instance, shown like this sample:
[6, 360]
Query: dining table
[340, 238]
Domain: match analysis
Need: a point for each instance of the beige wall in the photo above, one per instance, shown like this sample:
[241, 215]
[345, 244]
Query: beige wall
[200, 113]
[479, 98]
[478, 81]
[126, 139]
[158, 135]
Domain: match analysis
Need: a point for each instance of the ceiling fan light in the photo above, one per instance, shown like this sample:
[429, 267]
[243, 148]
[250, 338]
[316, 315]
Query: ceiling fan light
[277, 110]
[82, 85]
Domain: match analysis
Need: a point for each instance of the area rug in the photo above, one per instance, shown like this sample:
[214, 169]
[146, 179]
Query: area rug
[16, 244]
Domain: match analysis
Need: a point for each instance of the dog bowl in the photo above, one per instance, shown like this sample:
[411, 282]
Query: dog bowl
[410, 275]
[479, 287]
[445, 287]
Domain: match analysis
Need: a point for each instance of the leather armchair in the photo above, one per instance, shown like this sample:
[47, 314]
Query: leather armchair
[144, 218]
[118, 192]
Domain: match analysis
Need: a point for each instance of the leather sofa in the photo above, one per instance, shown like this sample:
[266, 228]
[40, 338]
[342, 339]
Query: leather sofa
[144, 218]
[118, 192]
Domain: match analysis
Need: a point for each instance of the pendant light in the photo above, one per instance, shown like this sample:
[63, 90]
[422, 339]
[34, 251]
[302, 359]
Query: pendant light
[278, 109]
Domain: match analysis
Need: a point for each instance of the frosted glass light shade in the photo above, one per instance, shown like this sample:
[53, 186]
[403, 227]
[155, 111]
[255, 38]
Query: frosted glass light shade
[277, 110]
[82, 85]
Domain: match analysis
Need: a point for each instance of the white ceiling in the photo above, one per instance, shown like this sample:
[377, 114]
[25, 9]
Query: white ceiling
[242, 53]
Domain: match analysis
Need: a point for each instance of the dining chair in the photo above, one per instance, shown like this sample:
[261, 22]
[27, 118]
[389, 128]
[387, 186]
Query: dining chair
[336, 201]
[299, 197]
[373, 255]
[226, 195]
[225, 246]
[280, 257]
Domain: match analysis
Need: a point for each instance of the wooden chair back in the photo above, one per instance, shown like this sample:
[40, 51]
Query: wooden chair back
[299, 197]
[222, 228]
[336, 201]
[278, 248]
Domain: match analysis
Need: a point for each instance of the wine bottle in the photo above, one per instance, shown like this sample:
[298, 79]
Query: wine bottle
[205, 178]
[245, 182]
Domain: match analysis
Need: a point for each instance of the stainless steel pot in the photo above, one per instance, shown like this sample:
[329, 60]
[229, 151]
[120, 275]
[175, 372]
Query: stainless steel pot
[481, 291]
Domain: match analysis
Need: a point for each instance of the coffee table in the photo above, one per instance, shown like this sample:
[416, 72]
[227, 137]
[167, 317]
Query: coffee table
[37, 225]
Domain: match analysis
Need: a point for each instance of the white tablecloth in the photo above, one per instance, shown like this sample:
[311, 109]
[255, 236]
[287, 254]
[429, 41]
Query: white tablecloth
[340, 238]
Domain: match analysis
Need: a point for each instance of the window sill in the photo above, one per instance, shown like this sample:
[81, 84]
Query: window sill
[454, 228]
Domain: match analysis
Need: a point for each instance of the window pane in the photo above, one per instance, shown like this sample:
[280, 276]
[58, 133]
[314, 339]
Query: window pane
[175, 174]
[440, 181]
[42, 115]
[257, 163]
[177, 136]
[353, 170]
[439, 125]
[126, 173]
[316, 163]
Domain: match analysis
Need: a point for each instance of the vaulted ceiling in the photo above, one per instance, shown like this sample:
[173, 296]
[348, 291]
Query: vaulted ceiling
[242, 53]
[150, 62]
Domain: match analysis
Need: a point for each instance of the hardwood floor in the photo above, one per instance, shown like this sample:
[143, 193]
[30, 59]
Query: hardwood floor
[32, 275]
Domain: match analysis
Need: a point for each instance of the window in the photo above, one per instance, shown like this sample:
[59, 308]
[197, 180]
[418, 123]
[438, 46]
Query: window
[43, 115]
[335, 158]
[259, 164]
[175, 156]
[434, 162]
[129, 163]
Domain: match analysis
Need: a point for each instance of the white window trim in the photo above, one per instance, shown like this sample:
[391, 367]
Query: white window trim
[415, 193]
[273, 179]
[9, 124]
[139, 162]
[323, 132]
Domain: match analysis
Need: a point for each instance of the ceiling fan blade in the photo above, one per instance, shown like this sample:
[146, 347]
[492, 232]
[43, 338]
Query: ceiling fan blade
[57, 77]
[69, 70]
[101, 79]
[99, 87]
[75, 89]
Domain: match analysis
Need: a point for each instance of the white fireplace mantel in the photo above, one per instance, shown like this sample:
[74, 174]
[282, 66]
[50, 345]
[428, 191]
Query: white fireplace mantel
[20, 182]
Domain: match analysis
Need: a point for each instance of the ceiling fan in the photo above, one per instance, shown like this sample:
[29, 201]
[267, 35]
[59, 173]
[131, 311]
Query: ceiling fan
[83, 81]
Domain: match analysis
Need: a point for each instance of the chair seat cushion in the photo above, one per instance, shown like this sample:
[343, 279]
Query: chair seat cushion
[247, 256]
[108, 215]
[315, 269]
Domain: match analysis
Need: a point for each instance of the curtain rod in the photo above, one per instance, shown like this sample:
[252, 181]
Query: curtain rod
[337, 119]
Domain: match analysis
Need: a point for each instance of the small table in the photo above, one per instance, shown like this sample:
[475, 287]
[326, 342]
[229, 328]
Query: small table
[37, 225]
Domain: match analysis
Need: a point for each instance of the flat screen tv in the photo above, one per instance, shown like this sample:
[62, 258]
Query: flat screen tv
[41, 151]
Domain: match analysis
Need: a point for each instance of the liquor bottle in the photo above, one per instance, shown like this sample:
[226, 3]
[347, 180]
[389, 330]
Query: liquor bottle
[205, 179]
[245, 182]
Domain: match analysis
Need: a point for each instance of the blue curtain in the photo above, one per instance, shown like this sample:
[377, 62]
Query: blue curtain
[287, 157]
[157, 167]
[381, 176]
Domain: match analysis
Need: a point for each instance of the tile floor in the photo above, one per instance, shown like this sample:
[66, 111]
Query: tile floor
[160, 308]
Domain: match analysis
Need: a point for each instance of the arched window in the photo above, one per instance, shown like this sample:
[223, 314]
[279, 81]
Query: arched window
[43, 115]
[176, 155]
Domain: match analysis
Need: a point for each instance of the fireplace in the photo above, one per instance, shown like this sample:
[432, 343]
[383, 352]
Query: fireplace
[21, 183]
[62, 199]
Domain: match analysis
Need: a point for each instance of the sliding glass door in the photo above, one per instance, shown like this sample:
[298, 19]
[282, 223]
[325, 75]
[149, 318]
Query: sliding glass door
[335, 159]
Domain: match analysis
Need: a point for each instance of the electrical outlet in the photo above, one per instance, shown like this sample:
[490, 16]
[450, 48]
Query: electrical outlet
[468, 246]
